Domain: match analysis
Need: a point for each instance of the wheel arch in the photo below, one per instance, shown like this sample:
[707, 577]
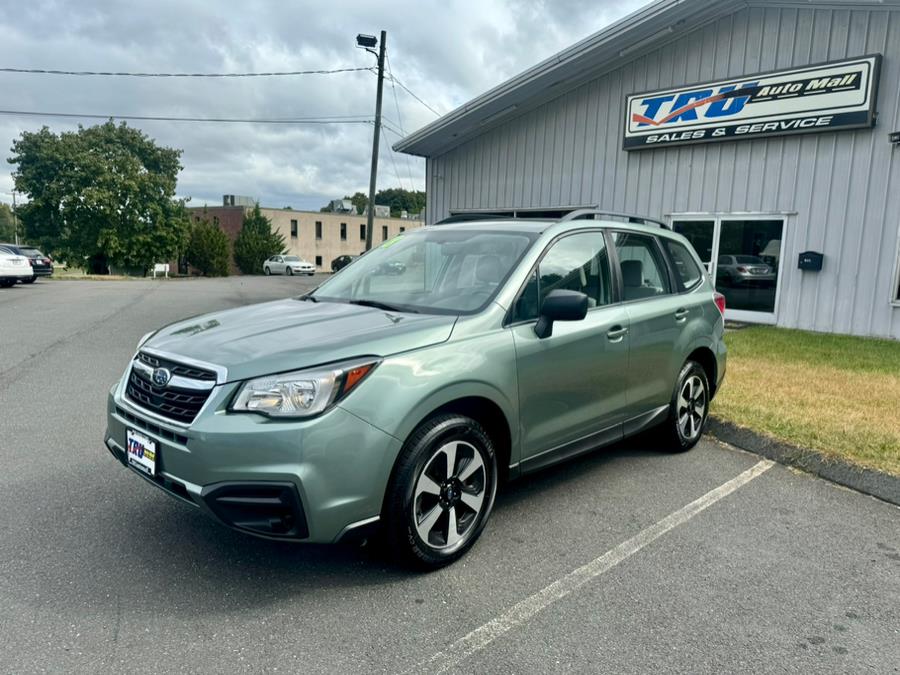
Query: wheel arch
[707, 359]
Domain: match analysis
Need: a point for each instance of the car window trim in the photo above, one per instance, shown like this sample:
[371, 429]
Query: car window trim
[615, 294]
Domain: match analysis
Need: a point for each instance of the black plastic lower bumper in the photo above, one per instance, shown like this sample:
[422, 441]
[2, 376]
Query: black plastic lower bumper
[271, 510]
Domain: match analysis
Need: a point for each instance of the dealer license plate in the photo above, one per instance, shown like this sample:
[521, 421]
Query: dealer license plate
[141, 453]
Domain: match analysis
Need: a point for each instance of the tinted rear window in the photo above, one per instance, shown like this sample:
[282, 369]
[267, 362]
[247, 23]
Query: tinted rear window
[685, 265]
[32, 252]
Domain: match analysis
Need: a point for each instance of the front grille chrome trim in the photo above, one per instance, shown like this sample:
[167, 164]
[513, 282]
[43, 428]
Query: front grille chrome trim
[181, 400]
[177, 381]
[220, 371]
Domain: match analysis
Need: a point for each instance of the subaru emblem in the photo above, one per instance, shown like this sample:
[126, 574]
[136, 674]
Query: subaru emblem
[161, 377]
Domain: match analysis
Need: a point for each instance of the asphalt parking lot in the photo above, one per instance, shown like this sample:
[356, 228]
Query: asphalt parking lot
[605, 564]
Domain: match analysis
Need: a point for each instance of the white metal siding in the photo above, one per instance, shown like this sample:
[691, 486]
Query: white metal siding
[843, 186]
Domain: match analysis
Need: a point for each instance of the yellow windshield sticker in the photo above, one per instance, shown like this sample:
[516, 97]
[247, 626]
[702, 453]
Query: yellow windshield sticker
[391, 242]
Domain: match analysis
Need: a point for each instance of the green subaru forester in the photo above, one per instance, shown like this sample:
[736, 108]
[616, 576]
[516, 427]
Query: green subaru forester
[398, 394]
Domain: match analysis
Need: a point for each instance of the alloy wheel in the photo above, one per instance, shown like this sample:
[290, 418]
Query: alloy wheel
[449, 496]
[692, 402]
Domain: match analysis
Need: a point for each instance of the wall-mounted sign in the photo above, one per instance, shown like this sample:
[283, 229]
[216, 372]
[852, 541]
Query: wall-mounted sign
[825, 97]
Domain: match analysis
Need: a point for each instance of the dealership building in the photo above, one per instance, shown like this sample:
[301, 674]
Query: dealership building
[765, 131]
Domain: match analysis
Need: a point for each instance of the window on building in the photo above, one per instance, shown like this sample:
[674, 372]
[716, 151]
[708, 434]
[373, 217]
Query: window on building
[318, 261]
[294, 228]
[318, 229]
[384, 233]
[403, 229]
[576, 263]
[684, 263]
[644, 273]
[362, 231]
[343, 231]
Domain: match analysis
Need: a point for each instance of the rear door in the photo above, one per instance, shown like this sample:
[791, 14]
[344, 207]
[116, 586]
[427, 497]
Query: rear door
[571, 384]
[656, 317]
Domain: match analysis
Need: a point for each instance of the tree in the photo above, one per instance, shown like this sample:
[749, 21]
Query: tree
[411, 201]
[256, 242]
[208, 249]
[102, 193]
[7, 224]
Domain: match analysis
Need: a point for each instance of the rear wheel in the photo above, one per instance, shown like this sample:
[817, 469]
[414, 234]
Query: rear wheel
[688, 410]
[29, 281]
[441, 493]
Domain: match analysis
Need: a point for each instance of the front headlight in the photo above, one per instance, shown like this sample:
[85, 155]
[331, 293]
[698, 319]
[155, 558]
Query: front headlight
[302, 393]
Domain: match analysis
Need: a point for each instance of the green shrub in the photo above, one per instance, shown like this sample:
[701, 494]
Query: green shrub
[256, 242]
[208, 250]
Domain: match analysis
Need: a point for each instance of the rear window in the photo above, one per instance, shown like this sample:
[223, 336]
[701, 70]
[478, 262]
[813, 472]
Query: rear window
[685, 265]
[31, 252]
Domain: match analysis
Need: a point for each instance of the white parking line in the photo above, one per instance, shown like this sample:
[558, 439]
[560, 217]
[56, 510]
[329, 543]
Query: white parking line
[521, 612]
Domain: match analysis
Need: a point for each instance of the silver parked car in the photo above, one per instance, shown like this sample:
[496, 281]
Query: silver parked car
[288, 264]
[739, 270]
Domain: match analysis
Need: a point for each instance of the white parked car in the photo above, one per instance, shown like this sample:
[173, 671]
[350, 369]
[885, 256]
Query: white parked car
[13, 268]
[288, 264]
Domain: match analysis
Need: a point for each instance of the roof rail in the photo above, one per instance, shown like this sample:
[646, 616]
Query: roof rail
[581, 214]
[472, 216]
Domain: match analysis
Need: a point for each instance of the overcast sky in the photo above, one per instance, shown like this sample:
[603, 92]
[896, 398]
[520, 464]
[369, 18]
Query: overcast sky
[446, 51]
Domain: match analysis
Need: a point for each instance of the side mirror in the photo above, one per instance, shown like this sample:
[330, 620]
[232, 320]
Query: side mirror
[560, 306]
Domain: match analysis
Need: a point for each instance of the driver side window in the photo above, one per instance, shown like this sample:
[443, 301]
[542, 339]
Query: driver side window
[579, 262]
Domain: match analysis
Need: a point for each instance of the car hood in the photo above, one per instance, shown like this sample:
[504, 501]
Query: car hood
[291, 334]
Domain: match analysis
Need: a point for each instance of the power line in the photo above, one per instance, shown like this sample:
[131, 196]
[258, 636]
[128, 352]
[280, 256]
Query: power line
[408, 91]
[91, 73]
[393, 161]
[399, 117]
[349, 119]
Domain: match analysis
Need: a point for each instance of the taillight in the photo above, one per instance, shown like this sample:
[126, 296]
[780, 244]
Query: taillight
[31, 262]
[720, 302]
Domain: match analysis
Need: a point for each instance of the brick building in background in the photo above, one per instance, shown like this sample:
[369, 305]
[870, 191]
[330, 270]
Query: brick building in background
[314, 236]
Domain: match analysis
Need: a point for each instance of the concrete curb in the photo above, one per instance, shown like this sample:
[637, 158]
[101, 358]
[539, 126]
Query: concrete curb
[871, 482]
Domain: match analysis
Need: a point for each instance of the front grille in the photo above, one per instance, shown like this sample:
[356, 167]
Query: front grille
[177, 368]
[175, 403]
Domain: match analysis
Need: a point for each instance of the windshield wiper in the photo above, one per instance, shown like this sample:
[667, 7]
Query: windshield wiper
[381, 305]
[309, 297]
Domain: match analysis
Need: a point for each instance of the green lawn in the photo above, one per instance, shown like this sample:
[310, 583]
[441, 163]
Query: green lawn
[833, 393]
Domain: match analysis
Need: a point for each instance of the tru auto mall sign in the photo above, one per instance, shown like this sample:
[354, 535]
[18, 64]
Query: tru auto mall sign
[825, 97]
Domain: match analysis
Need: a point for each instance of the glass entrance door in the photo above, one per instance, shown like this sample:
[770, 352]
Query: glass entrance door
[743, 256]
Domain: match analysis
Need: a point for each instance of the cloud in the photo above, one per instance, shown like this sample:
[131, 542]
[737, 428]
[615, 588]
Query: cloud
[447, 52]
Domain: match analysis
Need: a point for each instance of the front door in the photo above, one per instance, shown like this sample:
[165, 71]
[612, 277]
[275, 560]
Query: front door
[571, 384]
[743, 256]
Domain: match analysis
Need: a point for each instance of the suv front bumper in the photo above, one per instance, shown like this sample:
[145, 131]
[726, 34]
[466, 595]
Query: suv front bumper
[313, 480]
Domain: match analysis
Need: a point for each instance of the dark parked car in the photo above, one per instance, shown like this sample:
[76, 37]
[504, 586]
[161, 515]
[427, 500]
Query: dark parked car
[41, 265]
[342, 261]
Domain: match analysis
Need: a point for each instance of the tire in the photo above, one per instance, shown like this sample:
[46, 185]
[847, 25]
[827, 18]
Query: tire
[29, 281]
[290, 272]
[684, 426]
[422, 502]
[267, 271]
[312, 274]
[7, 283]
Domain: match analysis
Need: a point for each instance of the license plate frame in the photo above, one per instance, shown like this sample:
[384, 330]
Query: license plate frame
[142, 452]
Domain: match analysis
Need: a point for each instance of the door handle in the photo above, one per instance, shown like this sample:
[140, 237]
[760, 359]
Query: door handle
[681, 314]
[616, 333]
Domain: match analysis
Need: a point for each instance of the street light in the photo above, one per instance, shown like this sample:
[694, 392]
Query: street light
[368, 42]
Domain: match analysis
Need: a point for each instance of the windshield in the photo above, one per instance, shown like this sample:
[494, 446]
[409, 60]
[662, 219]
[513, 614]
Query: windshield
[748, 259]
[291, 258]
[432, 270]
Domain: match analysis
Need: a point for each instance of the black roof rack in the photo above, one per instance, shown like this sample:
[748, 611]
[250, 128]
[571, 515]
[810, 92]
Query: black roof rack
[582, 214]
[472, 216]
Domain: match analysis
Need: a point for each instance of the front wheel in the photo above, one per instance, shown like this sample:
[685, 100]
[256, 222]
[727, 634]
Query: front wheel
[688, 410]
[290, 272]
[441, 492]
[267, 271]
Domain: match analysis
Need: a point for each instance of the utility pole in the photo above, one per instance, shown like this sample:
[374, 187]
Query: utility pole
[370, 218]
[15, 219]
